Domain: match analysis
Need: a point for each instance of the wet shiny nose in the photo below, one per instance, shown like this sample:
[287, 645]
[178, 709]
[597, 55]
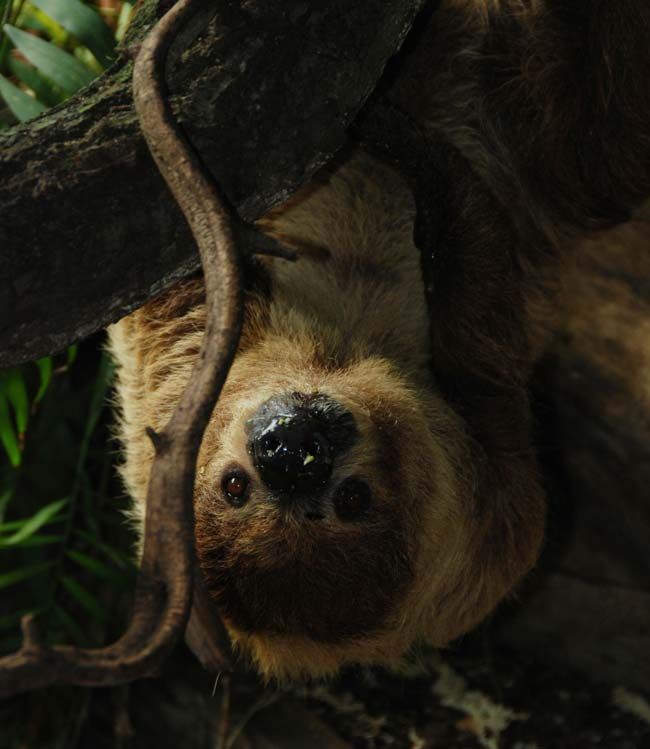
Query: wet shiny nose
[294, 440]
[293, 453]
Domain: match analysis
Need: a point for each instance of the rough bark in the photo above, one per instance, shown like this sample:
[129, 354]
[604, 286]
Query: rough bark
[265, 91]
[589, 603]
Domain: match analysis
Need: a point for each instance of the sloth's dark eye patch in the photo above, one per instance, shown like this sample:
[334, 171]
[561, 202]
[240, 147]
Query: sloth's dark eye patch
[352, 500]
[235, 485]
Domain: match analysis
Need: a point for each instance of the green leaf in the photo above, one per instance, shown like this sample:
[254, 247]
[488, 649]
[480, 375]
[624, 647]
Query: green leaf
[123, 21]
[45, 375]
[8, 435]
[68, 624]
[117, 557]
[33, 19]
[23, 106]
[86, 599]
[37, 521]
[84, 23]
[64, 69]
[23, 573]
[100, 569]
[6, 9]
[17, 396]
[91, 500]
[98, 400]
[45, 91]
[13, 525]
[72, 355]
[5, 498]
[38, 539]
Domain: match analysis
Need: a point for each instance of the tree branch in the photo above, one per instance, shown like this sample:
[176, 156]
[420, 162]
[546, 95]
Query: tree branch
[163, 595]
[265, 91]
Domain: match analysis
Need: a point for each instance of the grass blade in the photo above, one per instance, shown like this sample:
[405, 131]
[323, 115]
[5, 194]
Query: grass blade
[8, 435]
[37, 539]
[17, 396]
[84, 598]
[119, 558]
[13, 525]
[45, 376]
[5, 498]
[23, 106]
[69, 625]
[123, 21]
[84, 23]
[35, 523]
[60, 67]
[102, 384]
[46, 93]
[99, 569]
[23, 573]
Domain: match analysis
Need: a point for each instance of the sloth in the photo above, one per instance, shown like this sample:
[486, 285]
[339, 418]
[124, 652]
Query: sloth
[368, 479]
[335, 515]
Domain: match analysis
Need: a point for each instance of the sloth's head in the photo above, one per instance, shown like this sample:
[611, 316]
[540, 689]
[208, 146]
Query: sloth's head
[334, 520]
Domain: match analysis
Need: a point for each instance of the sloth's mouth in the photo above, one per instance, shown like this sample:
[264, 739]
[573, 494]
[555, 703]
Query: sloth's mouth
[304, 578]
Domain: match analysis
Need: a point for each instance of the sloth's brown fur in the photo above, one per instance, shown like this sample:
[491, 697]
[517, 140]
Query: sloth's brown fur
[435, 558]
[440, 396]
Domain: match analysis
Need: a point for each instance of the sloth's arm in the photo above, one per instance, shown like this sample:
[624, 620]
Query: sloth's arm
[548, 100]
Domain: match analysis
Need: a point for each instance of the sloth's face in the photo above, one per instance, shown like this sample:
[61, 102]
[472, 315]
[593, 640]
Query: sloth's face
[310, 519]
[329, 515]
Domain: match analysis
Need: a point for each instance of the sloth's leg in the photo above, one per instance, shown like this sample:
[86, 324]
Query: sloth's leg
[548, 100]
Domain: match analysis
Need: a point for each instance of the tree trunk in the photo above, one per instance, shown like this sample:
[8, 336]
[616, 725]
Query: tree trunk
[265, 92]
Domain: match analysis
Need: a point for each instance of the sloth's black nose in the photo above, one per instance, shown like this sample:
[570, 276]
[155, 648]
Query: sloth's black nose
[295, 438]
[293, 453]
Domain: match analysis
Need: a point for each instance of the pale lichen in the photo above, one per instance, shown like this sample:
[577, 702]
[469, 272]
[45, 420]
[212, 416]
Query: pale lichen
[486, 719]
[632, 703]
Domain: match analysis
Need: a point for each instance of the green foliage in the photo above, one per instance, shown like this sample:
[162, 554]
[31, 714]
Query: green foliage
[13, 413]
[21, 104]
[64, 547]
[49, 49]
[25, 529]
[14, 409]
[64, 70]
[84, 23]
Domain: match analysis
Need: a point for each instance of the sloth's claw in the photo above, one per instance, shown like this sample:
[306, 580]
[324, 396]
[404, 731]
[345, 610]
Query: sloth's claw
[254, 242]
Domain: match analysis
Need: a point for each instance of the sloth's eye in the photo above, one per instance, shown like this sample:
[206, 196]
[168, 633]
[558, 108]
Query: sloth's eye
[352, 500]
[235, 487]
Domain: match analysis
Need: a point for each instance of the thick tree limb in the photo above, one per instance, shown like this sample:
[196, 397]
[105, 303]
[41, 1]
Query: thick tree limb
[265, 91]
[163, 596]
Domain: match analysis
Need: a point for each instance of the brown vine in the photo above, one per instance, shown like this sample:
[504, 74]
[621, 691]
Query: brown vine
[164, 592]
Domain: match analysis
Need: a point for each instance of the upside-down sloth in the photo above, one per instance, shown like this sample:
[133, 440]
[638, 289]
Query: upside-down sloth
[368, 478]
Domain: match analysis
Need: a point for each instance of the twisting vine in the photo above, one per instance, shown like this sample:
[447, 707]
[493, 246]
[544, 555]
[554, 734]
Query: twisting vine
[164, 592]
